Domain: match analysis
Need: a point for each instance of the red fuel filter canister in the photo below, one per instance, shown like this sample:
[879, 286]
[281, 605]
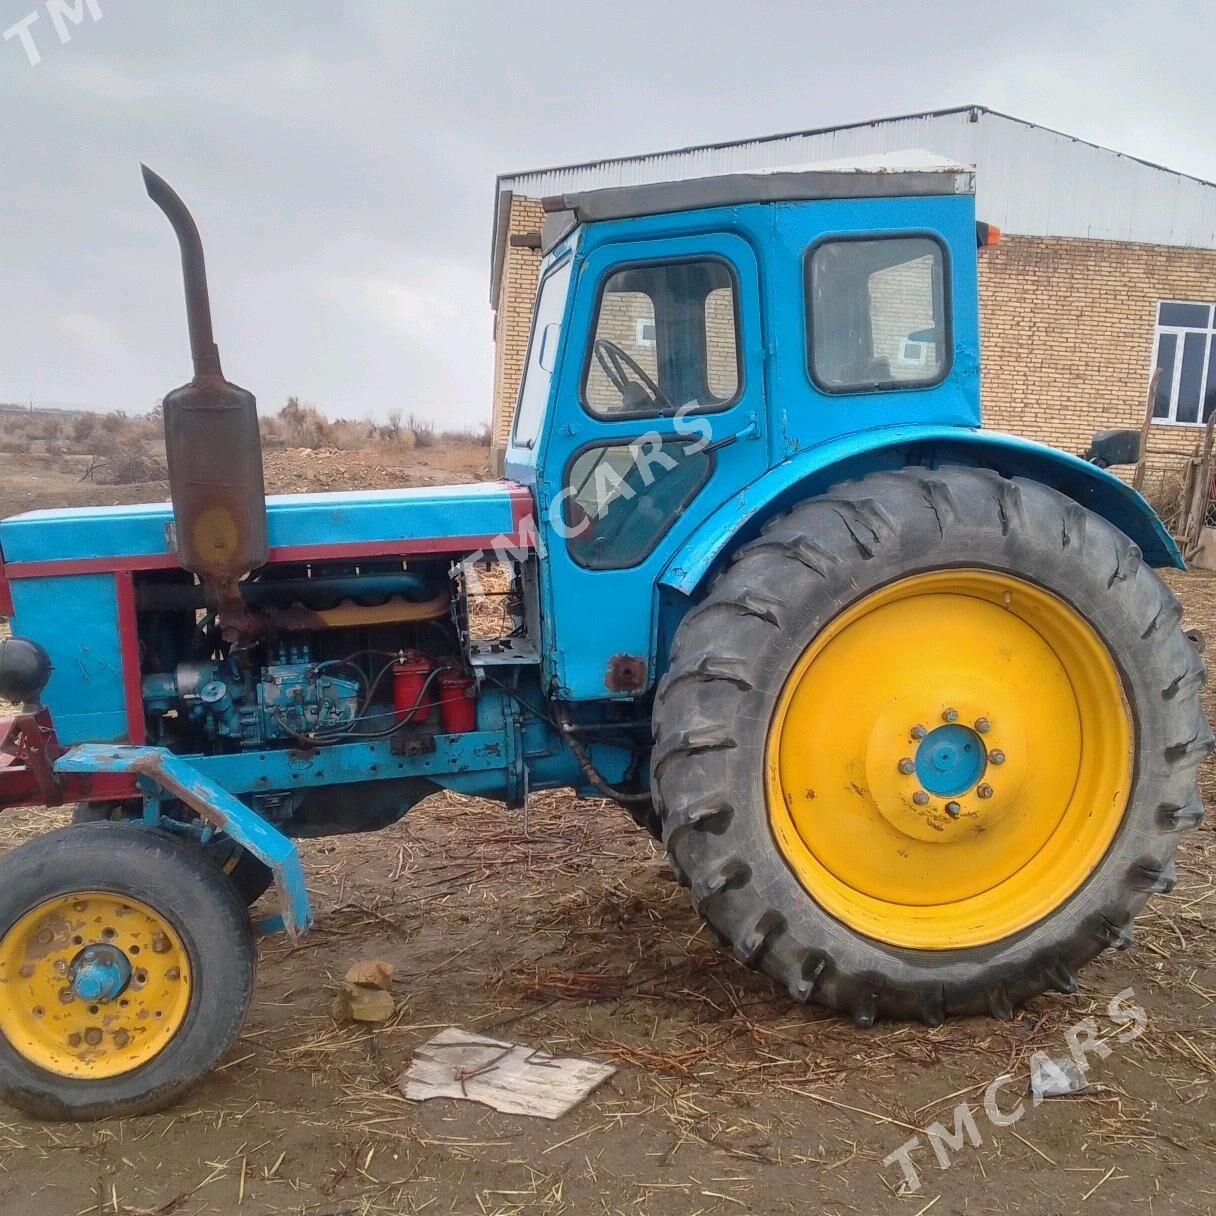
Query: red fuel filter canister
[457, 702]
[412, 699]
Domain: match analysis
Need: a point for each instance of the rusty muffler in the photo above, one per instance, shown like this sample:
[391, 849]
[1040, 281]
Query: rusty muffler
[214, 452]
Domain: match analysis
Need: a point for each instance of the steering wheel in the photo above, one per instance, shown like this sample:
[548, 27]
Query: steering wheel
[618, 364]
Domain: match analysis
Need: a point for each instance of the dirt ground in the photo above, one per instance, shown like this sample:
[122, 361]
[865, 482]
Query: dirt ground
[30, 481]
[561, 927]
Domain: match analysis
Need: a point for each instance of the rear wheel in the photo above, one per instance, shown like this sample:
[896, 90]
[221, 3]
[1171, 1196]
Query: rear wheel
[126, 970]
[928, 744]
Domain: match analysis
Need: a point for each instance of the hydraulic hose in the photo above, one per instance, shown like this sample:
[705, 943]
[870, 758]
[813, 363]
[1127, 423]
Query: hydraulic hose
[594, 777]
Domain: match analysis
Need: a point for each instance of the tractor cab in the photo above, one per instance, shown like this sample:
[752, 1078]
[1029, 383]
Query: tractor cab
[658, 302]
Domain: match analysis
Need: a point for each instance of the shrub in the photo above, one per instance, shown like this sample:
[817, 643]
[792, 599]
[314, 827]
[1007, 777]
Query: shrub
[422, 429]
[304, 426]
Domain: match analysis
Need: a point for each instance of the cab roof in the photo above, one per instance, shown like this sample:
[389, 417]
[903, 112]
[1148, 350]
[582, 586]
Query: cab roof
[899, 175]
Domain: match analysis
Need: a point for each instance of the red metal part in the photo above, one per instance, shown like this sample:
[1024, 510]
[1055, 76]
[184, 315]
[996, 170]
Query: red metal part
[29, 748]
[523, 515]
[128, 642]
[28, 751]
[457, 702]
[412, 696]
[6, 592]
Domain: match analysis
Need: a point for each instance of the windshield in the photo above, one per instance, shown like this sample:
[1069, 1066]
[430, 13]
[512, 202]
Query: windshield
[542, 351]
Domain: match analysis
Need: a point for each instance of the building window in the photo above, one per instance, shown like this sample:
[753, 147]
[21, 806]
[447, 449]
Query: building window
[878, 314]
[666, 336]
[1185, 353]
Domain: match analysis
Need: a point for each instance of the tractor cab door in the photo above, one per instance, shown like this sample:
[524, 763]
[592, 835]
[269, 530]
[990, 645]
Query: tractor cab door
[657, 419]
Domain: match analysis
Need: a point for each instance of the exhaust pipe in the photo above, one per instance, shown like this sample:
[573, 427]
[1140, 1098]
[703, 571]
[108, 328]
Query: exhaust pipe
[213, 449]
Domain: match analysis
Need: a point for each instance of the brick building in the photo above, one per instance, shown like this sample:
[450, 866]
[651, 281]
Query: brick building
[1106, 268]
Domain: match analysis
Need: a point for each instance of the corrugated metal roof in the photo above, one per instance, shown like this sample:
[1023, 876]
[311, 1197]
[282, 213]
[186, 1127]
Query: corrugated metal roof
[1031, 180]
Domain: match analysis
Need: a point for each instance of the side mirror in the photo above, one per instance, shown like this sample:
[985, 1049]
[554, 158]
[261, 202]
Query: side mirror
[1115, 447]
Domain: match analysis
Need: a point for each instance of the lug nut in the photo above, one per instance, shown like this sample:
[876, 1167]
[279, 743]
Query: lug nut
[918, 732]
[997, 757]
[906, 766]
[950, 715]
[953, 809]
[984, 791]
[981, 725]
[920, 797]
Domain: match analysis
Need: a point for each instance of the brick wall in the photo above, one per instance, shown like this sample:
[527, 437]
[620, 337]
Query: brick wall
[721, 349]
[619, 316]
[513, 316]
[1067, 336]
[1067, 333]
[901, 303]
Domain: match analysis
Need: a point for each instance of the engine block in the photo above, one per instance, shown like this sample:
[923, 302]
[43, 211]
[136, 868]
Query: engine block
[292, 697]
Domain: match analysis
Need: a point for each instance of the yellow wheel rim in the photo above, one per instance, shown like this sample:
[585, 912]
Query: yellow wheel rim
[92, 985]
[949, 760]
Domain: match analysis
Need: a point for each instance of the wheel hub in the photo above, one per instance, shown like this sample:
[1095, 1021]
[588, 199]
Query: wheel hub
[100, 973]
[950, 760]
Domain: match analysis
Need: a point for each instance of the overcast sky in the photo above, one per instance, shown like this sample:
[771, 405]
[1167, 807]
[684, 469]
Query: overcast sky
[340, 157]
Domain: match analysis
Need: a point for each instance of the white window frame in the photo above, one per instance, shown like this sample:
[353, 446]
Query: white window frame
[1180, 332]
[641, 341]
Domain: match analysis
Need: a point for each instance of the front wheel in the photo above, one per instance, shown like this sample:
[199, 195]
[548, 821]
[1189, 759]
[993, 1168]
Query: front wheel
[126, 969]
[928, 744]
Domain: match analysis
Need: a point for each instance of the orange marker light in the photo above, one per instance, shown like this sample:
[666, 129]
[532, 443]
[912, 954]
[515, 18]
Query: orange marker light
[986, 234]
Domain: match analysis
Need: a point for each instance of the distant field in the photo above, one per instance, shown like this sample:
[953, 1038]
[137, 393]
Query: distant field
[57, 458]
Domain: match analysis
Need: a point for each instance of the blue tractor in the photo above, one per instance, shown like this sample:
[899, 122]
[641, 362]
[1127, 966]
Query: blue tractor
[904, 699]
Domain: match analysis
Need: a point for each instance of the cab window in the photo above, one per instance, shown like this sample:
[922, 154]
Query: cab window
[621, 499]
[542, 352]
[878, 314]
[666, 335]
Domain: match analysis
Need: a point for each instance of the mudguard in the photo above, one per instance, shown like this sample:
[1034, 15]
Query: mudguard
[216, 806]
[813, 471]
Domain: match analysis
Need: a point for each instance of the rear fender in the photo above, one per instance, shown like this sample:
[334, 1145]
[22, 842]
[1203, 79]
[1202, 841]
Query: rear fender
[815, 470]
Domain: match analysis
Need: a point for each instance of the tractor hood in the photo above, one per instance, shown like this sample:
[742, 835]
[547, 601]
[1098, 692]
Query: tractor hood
[302, 527]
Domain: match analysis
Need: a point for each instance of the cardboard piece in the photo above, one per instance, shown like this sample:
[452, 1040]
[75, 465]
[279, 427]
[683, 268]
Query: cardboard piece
[510, 1077]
